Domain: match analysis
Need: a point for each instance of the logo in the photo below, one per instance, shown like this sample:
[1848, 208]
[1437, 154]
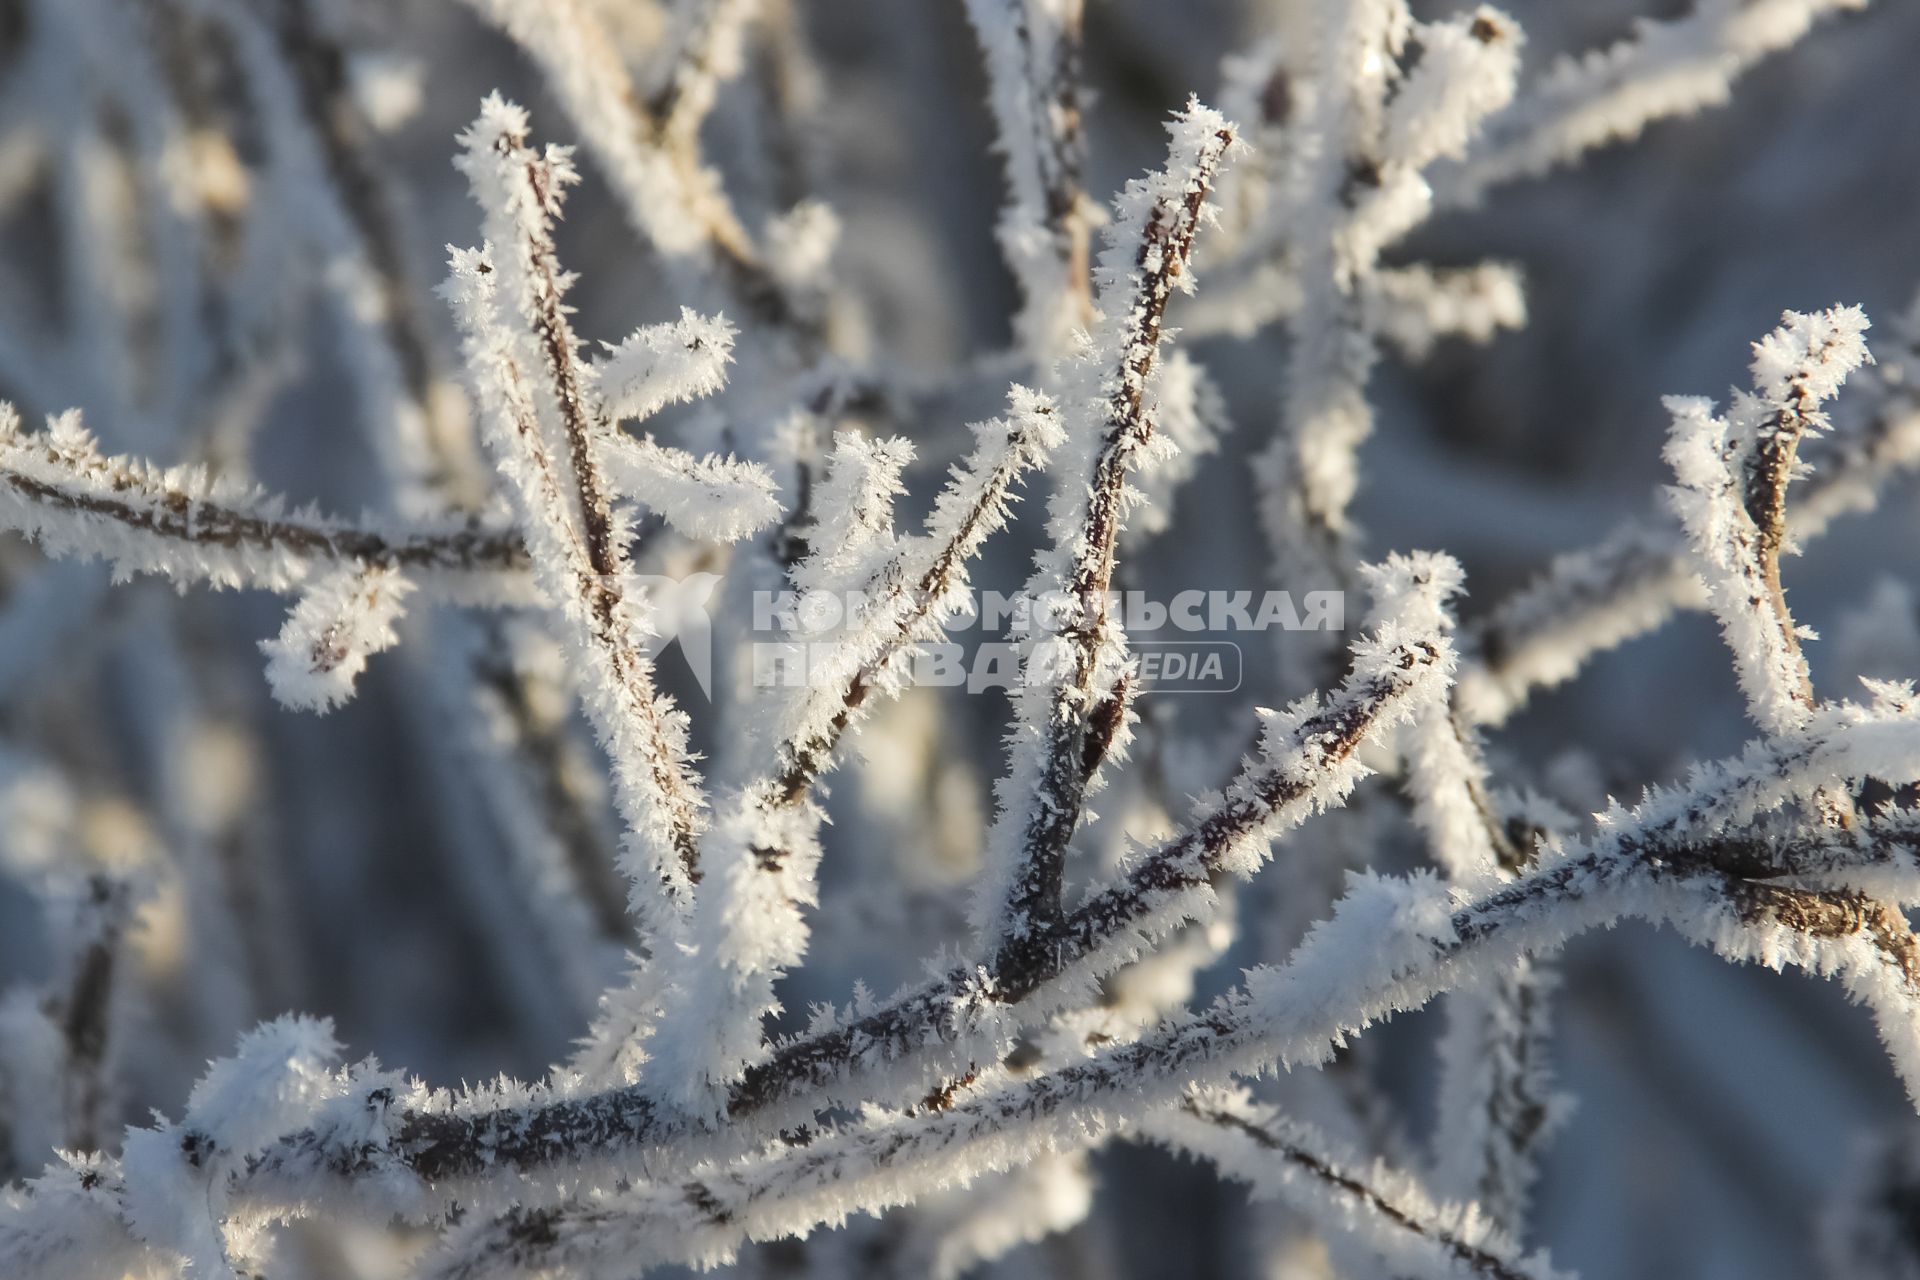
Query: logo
[680, 615]
[795, 640]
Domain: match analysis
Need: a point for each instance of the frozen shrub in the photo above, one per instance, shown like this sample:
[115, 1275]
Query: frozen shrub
[647, 877]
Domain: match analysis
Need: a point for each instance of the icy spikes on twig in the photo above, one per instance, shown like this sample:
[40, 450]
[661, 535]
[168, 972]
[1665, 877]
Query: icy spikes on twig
[1733, 474]
[1392, 946]
[1497, 1103]
[68, 1221]
[1032, 50]
[901, 1159]
[331, 183]
[1307, 762]
[1496, 1100]
[1411, 593]
[852, 537]
[178, 1175]
[337, 623]
[665, 364]
[1493, 1080]
[912, 603]
[543, 418]
[1446, 775]
[750, 924]
[710, 499]
[280, 1071]
[1656, 861]
[58, 489]
[1302, 751]
[1072, 705]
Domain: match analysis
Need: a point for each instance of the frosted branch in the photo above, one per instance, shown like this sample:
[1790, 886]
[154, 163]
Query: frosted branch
[709, 499]
[1371, 131]
[1310, 761]
[1072, 704]
[543, 418]
[1382, 1209]
[1665, 69]
[1733, 474]
[1497, 1102]
[1590, 601]
[219, 194]
[337, 623]
[751, 915]
[58, 489]
[1419, 944]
